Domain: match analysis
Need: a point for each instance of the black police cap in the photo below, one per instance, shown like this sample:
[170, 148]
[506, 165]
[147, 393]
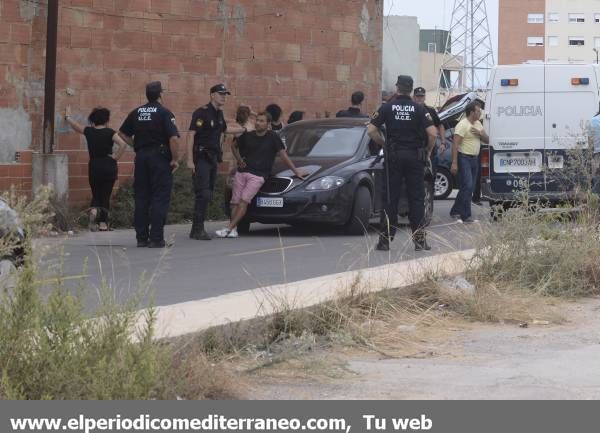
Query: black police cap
[404, 81]
[420, 91]
[220, 88]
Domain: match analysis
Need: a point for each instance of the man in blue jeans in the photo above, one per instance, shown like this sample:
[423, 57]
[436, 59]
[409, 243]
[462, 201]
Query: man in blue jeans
[468, 136]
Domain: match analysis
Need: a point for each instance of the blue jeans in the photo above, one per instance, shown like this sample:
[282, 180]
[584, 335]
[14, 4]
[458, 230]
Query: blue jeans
[468, 166]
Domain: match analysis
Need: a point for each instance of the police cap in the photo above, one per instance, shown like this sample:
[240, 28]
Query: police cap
[220, 88]
[405, 81]
[419, 91]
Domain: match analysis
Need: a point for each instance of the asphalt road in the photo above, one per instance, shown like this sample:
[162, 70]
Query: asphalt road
[192, 270]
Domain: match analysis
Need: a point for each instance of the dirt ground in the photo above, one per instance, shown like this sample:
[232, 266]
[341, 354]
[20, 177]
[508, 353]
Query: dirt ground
[466, 361]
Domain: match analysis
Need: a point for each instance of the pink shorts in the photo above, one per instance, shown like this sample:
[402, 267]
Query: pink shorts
[245, 187]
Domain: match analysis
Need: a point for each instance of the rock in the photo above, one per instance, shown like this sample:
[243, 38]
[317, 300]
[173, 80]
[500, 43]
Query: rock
[541, 322]
[458, 285]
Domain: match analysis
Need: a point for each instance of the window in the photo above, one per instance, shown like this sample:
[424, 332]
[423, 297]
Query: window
[553, 17]
[535, 41]
[431, 47]
[553, 41]
[597, 18]
[535, 18]
[576, 41]
[576, 18]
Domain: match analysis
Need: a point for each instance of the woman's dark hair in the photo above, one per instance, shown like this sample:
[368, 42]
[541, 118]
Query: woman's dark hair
[471, 108]
[99, 116]
[275, 112]
[295, 116]
[242, 115]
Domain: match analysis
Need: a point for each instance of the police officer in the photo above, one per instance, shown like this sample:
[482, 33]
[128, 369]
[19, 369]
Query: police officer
[407, 125]
[205, 152]
[419, 95]
[155, 141]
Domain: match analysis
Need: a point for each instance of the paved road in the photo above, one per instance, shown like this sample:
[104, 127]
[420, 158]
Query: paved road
[193, 270]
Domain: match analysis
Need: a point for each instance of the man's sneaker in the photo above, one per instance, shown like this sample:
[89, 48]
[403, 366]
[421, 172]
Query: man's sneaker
[422, 246]
[455, 216]
[468, 220]
[142, 244]
[226, 233]
[157, 244]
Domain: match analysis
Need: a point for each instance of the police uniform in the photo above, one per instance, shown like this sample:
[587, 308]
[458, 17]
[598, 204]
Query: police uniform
[420, 91]
[405, 155]
[209, 126]
[151, 127]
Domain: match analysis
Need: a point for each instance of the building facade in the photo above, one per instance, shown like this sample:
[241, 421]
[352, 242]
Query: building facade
[410, 50]
[555, 31]
[307, 55]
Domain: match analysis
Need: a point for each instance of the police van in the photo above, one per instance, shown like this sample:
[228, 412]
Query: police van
[535, 114]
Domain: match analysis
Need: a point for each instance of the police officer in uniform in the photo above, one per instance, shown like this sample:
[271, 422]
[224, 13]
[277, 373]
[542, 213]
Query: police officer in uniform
[205, 152]
[419, 97]
[152, 130]
[407, 124]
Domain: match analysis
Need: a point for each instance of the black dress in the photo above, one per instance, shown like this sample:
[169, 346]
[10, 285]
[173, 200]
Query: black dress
[102, 168]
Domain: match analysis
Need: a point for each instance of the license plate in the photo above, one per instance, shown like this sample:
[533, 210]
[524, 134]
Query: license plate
[269, 201]
[530, 162]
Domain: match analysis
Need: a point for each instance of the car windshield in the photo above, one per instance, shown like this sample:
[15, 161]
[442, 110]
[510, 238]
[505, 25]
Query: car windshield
[322, 141]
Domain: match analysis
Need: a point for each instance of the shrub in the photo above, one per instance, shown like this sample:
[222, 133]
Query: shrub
[182, 201]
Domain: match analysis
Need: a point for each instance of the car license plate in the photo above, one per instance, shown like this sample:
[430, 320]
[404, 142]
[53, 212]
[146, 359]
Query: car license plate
[530, 162]
[269, 201]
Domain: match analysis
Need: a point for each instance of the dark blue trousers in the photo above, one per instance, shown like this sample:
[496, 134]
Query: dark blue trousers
[153, 182]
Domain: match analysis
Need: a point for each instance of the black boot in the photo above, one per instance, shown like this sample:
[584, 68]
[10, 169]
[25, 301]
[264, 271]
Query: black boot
[420, 241]
[199, 233]
[383, 244]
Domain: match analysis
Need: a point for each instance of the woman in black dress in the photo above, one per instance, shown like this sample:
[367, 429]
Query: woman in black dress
[102, 168]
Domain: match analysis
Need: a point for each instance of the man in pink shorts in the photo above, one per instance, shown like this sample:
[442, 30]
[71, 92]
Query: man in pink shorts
[255, 152]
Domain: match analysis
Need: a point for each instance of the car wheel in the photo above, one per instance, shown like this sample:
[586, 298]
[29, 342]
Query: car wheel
[361, 212]
[429, 193]
[243, 227]
[443, 184]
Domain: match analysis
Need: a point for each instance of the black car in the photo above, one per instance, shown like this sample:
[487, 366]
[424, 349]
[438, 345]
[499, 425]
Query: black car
[345, 179]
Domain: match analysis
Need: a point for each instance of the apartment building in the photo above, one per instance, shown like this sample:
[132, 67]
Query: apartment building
[556, 31]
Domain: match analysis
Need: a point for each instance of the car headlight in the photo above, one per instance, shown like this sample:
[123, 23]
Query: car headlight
[326, 183]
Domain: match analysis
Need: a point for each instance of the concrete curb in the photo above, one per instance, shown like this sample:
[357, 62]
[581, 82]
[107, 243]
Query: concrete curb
[189, 317]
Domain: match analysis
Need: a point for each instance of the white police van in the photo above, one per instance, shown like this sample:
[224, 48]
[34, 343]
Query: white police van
[535, 113]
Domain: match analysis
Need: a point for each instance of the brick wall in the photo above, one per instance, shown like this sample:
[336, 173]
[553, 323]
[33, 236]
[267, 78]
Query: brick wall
[307, 55]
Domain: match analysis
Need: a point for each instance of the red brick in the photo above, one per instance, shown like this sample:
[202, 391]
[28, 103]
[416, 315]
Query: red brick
[20, 33]
[81, 37]
[135, 5]
[160, 6]
[137, 41]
